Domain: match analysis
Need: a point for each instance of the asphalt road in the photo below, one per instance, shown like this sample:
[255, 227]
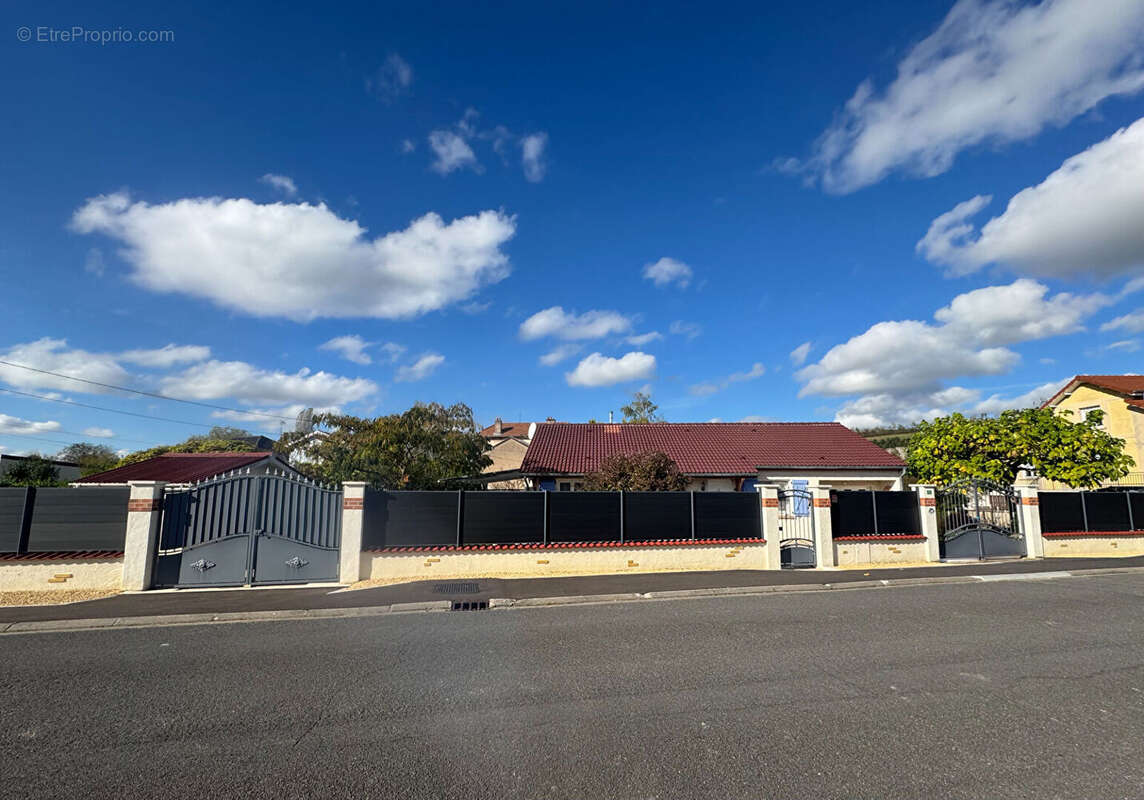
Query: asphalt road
[1030, 689]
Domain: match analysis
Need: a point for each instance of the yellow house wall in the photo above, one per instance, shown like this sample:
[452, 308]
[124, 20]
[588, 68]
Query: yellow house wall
[1119, 420]
[20, 576]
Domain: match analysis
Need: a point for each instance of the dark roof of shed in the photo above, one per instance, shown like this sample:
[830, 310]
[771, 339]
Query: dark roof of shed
[178, 467]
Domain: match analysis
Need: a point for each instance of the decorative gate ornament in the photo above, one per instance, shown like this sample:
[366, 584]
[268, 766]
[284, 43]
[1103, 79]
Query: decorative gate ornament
[202, 565]
[296, 563]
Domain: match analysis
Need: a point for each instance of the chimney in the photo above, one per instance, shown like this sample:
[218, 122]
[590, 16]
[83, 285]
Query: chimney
[610, 419]
[498, 428]
[550, 419]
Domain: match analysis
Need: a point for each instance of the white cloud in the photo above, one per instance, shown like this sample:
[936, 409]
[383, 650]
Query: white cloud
[451, 152]
[994, 71]
[560, 353]
[532, 157]
[392, 350]
[995, 403]
[298, 260]
[600, 370]
[18, 426]
[94, 263]
[351, 347]
[799, 354]
[251, 385]
[639, 340]
[667, 271]
[408, 146]
[899, 368]
[392, 79]
[757, 370]
[688, 329]
[272, 419]
[167, 356]
[1130, 323]
[561, 324]
[1046, 230]
[99, 433]
[53, 355]
[1124, 346]
[422, 368]
[282, 183]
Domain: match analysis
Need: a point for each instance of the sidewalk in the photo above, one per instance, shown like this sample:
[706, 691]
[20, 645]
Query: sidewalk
[187, 602]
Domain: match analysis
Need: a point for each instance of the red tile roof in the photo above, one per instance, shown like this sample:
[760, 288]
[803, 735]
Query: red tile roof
[1121, 384]
[178, 467]
[507, 429]
[704, 448]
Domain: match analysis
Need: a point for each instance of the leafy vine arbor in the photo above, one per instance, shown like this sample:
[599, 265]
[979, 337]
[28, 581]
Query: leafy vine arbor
[976, 461]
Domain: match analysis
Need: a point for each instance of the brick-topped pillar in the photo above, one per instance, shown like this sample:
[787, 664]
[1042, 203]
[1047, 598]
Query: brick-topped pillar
[144, 512]
[769, 507]
[823, 527]
[353, 519]
[1029, 510]
[927, 513]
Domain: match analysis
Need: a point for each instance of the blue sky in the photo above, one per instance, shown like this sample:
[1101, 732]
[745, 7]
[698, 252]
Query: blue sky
[754, 212]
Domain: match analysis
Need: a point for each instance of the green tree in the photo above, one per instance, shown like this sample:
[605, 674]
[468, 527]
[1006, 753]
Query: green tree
[195, 444]
[641, 409]
[34, 470]
[227, 432]
[429, 446]
[652, 471]
[1077, 454]
[92, 458]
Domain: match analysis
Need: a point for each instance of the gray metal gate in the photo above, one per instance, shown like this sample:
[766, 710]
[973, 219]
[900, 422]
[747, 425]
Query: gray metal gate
[978, 519]
[249, 530]
[796, 529]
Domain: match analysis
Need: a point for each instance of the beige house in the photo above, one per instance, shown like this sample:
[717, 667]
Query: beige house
[508, 442]
[1120, 397]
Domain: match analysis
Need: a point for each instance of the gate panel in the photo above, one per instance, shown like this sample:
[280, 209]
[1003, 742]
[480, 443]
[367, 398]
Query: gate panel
[796, 529]
[281, 560]
[978, 519]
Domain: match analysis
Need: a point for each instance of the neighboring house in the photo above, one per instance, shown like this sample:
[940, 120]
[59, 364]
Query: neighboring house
[185, 468]
[716, 456]
[66, 470]
[508, 442]
[1120, 397]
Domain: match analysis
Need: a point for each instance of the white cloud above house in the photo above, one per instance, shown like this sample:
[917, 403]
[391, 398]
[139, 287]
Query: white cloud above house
[350, 347]
[757, 370]
[799, 355]
[640, 339]
[560, 353]
[99, 433]
[391, 80]
[1045, 231]
[281, 183]
[251, 385]
[297, 260]
[451, 153]
[24, 427]
[54, 355]
[668, 271]
[689, 330]
[899, 370]
[533, 159]
[420, 369]
[166, 356]
[993, 72]
[600, 370]
[1130, 323]
[557, 323]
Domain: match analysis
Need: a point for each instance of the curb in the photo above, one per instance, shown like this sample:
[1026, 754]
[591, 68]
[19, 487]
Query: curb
[432, 606]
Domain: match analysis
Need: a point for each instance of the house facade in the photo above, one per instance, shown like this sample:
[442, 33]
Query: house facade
[1120, 397]
[715, 456]
[508, 442]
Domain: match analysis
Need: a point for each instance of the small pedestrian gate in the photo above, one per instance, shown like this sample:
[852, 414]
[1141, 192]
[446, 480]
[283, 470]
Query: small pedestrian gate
[978, 519]
[796, 529]
[249, 530]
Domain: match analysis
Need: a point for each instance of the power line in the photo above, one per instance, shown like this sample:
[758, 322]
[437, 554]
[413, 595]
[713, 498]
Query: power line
[104, 408]
[155, 395]
[37, 438]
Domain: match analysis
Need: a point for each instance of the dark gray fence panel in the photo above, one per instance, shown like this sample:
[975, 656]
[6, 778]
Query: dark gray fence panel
[1060, 512]
[1137, 503]
[583, 516]
[409, 519]
[11, 518]
[897, 512]
[851, 514]
[79, 519]
[727, 515]
[1106, 511]
[503, 517]
[657, 515]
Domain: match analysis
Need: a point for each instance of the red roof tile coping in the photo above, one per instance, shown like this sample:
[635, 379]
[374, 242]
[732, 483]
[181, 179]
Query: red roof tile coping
[178, 467]
[450, 548]
[704, 448]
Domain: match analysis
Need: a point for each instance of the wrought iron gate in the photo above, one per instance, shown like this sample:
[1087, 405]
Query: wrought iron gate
[796, 529]
[978, 519]
[249, 529]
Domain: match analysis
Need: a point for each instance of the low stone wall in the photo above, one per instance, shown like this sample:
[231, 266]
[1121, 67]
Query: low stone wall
[539, 562]
[857, 550]
[1094, 543]
[63, 572]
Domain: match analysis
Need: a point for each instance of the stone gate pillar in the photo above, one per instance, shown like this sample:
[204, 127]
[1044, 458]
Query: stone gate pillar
[823, 527]
[769, 507]
[1029, 510]
[353, 520]
[144, 512]
[927, 513]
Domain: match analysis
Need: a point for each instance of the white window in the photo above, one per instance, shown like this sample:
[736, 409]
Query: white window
[1084, 411]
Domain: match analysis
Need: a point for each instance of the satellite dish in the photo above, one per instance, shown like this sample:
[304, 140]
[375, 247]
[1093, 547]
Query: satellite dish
[305, 421]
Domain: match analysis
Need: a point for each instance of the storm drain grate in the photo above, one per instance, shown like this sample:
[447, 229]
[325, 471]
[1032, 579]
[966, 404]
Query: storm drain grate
[470, 605]
[456, 588]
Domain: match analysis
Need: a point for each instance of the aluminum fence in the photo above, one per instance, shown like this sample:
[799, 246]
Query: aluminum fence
[438, 519]
[62, 520]
[1068, 512]
[874, 513]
